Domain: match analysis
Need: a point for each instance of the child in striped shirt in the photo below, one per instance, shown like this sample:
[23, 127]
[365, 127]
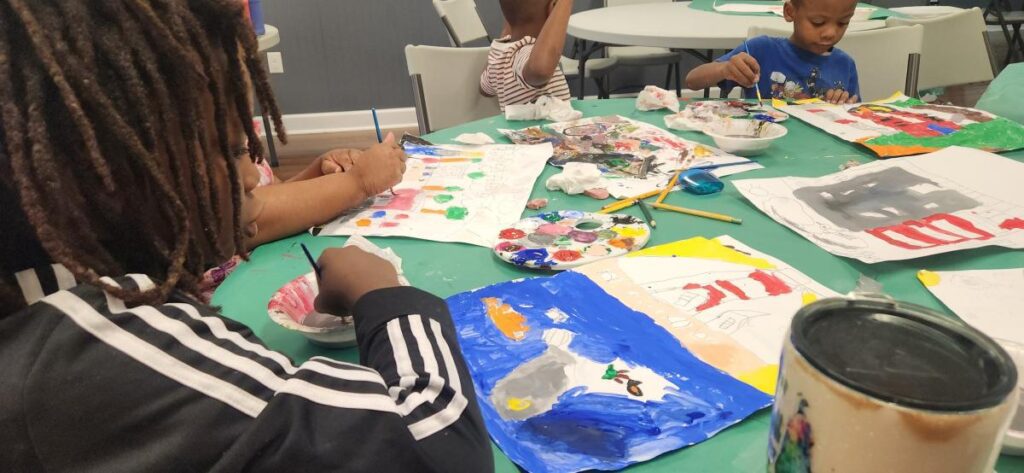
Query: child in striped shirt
[523, 64]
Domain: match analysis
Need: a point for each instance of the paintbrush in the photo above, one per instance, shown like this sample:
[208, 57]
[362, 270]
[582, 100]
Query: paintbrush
[698, 213]
[312, 261]
[757, 86]
[380, 139]
[647, 214]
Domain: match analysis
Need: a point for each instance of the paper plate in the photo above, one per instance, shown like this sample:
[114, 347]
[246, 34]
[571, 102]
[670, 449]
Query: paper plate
[292, 308]
[566, 239]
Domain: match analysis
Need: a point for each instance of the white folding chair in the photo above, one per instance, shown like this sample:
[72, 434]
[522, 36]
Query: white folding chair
[955, 49]
[888, 59]
[461, 21]
[639, 56]
[446, 86]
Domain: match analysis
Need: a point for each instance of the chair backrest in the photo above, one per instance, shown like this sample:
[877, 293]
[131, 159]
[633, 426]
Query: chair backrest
[955, 49]
[461, 21]
[446, 86]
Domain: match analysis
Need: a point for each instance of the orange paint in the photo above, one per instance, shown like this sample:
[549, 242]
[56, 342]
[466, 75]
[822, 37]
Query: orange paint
[434, 211]
[433, 188]
[365, 222]
[624, 243]
[511, 323]
[455, 160]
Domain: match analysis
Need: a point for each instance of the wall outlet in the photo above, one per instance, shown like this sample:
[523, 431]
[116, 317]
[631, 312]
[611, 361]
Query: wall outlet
[274, 63]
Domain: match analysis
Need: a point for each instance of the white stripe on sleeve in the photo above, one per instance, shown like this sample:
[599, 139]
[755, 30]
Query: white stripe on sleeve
[30, 286]
[451, 413]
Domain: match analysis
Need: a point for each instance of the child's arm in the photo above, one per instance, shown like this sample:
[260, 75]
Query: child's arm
[547, 51]
[292, 207]
[331, 162]
[741, 68]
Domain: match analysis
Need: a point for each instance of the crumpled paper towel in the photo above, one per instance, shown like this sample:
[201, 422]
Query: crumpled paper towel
[655, 98]
[545, 108]
[385, 253]
[474, 139]
[575, 178]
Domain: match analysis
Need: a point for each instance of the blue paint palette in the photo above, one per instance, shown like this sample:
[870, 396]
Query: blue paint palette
[566, 239]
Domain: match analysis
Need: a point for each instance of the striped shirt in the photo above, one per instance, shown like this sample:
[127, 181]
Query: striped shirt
[88, 384]
[503, 76]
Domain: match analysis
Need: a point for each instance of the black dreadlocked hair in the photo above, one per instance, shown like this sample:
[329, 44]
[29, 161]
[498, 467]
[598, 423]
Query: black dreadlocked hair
[106, 161]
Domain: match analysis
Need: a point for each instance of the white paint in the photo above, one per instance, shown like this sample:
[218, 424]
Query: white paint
[557, 315]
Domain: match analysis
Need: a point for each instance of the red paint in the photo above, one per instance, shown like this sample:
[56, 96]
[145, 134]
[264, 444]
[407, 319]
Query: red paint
[402, 200]
[507, 246]
[773, 285]
[389, 224]
[845, 121]
[910, 230]
[920, 125]
[402, 216]
[816, 110]
[1012, 224]
[511, 234]
[430, 160]
[734, 289]
[566, 256]
[714, 295]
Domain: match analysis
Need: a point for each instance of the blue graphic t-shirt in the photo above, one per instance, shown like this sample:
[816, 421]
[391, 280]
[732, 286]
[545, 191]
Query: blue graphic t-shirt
[789, 72]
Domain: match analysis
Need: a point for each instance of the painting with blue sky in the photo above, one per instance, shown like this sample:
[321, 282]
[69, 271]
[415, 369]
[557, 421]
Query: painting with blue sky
[569, 378]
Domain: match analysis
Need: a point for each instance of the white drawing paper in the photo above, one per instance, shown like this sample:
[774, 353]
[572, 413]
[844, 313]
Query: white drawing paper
[954, 199]
[451, 194]
[990, 300]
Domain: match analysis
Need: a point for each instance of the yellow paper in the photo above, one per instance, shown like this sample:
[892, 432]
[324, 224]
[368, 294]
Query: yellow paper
[928, 278]
[806, 101]
[704, 248]
[778, 103]
[809, 297]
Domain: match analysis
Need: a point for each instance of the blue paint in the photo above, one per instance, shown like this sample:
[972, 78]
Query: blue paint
[434, 151]
[538, 256]
[571, 214]
[379, 214]
[940, 128]
[594, 430]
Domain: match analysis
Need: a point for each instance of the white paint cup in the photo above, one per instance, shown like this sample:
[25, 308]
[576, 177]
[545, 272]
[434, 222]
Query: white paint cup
[870, 385]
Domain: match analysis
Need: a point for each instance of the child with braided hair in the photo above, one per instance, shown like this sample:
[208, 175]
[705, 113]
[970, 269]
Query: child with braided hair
[127, 156]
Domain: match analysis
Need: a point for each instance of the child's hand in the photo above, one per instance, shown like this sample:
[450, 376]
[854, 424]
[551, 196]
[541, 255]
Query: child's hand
[338, 160]
[840, 96]
[379, 167]
[346, 274]
[742, 69]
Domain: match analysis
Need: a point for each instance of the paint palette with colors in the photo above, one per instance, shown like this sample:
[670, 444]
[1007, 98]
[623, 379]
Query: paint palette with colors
[569, 238]
[292, 308]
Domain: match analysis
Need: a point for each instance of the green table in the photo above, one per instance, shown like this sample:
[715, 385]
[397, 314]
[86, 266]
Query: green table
[447, 269]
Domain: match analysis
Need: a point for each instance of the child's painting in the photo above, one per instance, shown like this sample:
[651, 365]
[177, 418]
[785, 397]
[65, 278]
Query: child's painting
[954, 199]
[992, 301]
[902, 126]
[569, 378]
[634, 157]
[727, 303]
[451, 194]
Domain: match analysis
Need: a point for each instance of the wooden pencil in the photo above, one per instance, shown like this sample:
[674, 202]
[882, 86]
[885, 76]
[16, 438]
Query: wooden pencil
[635, 197]
[699, 213]
[618, 206]
[671, 184]
[647, 214]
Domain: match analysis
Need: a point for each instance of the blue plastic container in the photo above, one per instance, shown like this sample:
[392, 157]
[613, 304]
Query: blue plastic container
[700, 182]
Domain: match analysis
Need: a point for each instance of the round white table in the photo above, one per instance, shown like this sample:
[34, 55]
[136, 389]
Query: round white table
[671, 25]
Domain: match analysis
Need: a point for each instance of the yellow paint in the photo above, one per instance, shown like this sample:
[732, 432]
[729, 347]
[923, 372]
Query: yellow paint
[777, 103]
[454, 160]
[763, 378]
[704, 248]
[516, 404]
[807, 101]
[702, 152]
[434, 211]
[630, 232]
[511, 323]
[809, 297]
[895, 97]
[363, 222]
[928, 278]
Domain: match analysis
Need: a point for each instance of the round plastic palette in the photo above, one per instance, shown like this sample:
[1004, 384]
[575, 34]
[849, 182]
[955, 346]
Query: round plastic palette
[568, 238]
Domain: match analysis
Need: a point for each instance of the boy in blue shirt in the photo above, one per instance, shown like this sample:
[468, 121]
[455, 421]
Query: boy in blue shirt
[805, 65]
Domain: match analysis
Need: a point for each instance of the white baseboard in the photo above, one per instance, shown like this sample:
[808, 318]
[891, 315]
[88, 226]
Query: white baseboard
[355, 120]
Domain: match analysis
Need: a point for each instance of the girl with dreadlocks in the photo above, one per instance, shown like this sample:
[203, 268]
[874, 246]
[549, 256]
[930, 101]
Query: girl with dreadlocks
[122, 177]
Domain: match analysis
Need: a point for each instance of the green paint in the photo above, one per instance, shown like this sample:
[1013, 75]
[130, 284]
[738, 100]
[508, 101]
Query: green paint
[588, 225]
[998, 135]
[457, 213]
[477, 160]
[443, 198]
[453, 188]
[550, 217]
[476, 175]
[563, 241]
